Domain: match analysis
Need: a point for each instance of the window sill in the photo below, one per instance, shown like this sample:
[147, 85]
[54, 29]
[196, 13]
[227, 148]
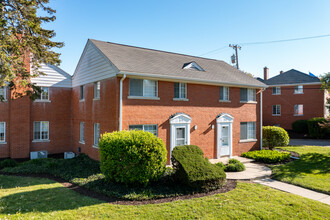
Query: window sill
[248, 140]
[228, 101]
[276, 115]
[38, 141]
[96, 99]
[180, 99]
[3, 142]
[298, 115]
[249, 102]
[95, 146]
[81, 142]
[143, 97]
[81, 100]
[39, 100]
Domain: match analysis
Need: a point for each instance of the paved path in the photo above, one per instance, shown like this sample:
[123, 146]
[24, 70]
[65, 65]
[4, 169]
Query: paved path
[324, 198]
[310, 142]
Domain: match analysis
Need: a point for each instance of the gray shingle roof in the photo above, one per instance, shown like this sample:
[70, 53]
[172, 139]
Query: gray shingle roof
[291, 77]
[166, 64]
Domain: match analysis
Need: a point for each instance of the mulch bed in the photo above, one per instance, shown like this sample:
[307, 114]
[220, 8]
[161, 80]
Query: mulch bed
[230, 185]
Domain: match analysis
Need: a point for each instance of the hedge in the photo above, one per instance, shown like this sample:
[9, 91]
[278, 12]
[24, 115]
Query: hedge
[314, 129]
[300, 126]
[267, 156]
[132, 157]
[195, 171]
[232, 166]
[274, 136]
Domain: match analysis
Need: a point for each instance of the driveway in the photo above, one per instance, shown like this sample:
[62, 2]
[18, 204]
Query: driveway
[310, 142]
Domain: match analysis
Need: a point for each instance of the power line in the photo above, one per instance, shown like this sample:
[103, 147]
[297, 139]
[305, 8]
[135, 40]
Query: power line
[216, 50]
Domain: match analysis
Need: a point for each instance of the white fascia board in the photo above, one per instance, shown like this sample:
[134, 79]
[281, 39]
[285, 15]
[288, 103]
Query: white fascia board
[296, 84]
[185, 80]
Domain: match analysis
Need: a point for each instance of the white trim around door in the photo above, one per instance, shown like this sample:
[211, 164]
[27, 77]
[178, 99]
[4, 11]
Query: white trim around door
[180, 130]
[224, 135]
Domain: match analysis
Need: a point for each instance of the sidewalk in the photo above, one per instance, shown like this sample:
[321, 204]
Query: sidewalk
[324, 198]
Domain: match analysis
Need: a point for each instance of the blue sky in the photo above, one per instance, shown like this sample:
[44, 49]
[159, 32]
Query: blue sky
[196, 27]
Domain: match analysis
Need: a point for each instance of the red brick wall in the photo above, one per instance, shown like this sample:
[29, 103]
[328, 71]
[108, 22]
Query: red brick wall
[103, 111]
[312, 99]
[203, 107]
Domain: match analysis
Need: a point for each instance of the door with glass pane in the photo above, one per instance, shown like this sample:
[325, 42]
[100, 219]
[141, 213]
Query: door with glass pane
[180, 136]
[224, 140]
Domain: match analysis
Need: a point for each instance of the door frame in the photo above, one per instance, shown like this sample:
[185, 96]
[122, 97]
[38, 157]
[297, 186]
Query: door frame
[225, 119]
[176, 121]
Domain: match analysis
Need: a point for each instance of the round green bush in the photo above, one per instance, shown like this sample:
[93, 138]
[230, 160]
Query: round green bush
[234, 166]
[8, 163]
[132, 157]
[300, 126]
[314, 128]
[274, 136]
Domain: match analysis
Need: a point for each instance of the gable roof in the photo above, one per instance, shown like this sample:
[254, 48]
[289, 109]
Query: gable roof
[292, 77]
[167, 65]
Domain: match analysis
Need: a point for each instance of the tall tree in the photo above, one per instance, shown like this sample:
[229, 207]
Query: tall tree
[24, 43]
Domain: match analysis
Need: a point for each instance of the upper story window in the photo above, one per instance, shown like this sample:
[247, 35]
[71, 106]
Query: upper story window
[143, 88]
[149, 128]
[276, 109]
[82, 132]
[298, 110]
[276, 90]
[224, 93]
[82, 92]
[298, 89]
[97, 90]
[3, 93]
[2, 132]
[248, 95]
[248, 130]
[44, 95]
[180, 90]
[40, 130]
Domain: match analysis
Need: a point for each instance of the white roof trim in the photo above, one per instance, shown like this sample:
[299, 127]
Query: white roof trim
[295, 84]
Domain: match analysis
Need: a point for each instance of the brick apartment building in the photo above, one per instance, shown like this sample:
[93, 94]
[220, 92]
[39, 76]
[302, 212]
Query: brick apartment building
[292, 96]
[182, 99]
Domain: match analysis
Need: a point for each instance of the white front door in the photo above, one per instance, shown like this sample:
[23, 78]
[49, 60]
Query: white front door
[224, 140]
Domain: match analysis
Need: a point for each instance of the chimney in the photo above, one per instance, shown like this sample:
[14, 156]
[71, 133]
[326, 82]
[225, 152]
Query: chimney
[266, 73]
[281, 71]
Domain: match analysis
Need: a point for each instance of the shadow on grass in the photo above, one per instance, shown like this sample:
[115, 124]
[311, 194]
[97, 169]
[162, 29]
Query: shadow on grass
[7, 182]
[44, 200]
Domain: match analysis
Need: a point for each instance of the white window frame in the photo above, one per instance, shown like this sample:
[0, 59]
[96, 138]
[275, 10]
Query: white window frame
[225, 94]
[251, 96]
[181, 96]
[248, 133]
[97, 90]
[82, 93]
[144, 96]
[277, 90]
[82, 132]
[3, 124]
[143, 128]
[96, 139]
[277, 107]
[42, 99]
[299, 89]
[41, 130]
[294, 109]
[3, 90]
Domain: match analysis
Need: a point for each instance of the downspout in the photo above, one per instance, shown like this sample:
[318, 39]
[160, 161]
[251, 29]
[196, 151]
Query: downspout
[261, 118]
[121, 101]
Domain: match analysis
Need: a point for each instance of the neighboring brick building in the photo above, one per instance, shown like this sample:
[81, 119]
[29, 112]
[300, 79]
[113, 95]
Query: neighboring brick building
[292, 96]
[181, 99]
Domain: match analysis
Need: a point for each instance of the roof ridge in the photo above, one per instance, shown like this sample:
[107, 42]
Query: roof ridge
[163, 51]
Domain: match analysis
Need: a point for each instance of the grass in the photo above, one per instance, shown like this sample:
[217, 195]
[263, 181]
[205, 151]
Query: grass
[311, 171]
[27, 198]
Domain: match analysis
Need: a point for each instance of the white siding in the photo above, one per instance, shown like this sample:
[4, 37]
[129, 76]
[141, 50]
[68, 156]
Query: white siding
[93, 66]
[55, 77]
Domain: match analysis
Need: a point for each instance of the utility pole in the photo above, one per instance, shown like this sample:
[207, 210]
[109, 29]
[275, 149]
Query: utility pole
[235, 46]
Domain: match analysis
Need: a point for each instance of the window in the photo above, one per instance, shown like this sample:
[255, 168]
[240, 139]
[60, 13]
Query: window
[248, 130]
[276, 90]
[224, 93]
[298, 110]
[96, 134]
[180, 136]
[150, 128]
[298, 90]
[97, 90]
[44, 95]
[41, 130]
[82, 92]
[276, 109]
[82, 132]
[2, 132]
[248, 95]
[3, 96]
[180, 90]
[143, 87]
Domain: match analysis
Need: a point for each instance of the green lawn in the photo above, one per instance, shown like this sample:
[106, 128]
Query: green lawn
[311, 171]
[307, 149]
[24, 197]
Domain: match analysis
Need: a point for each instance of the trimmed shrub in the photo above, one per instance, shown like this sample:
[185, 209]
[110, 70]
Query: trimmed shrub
[232, 166]
[300, 126]
[267, 156]
[8, 163]
[220, 165]
[195, 171]
[274, 136]
[314, 129]
[132, 157]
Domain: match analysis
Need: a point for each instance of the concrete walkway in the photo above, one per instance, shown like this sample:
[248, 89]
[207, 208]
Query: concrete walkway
[310, 142]
[324, 198]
